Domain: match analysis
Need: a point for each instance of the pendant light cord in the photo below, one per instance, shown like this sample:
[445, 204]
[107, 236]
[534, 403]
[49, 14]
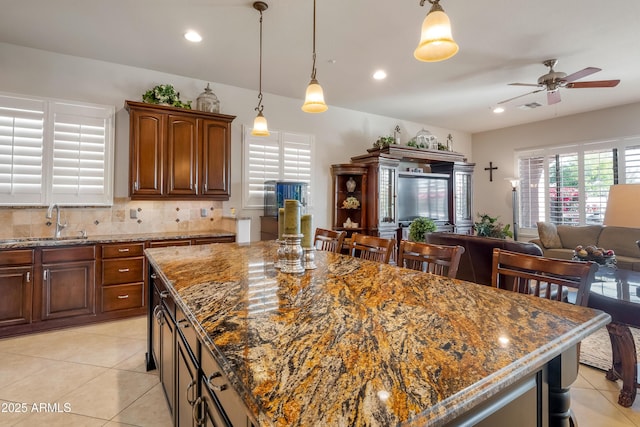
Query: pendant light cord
[313, 69]
[260, 107]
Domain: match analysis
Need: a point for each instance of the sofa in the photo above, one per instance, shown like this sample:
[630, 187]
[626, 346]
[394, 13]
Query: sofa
[559, 241]
[477, 260]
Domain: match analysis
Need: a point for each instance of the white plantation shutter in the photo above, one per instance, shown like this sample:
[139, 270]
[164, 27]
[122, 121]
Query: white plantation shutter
[55, 152]
[532, 201]
[21, 151]
[598, 177]
[632, 164]
[280, 156]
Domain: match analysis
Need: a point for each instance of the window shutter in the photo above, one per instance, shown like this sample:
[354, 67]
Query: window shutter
[297, 156]
[632, 164]
[563, 189]
[532, 183]
[598, 177]
[21, 151]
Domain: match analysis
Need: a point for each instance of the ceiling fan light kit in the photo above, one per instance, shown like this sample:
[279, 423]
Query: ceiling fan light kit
[314, 97]
[553, 81]
[436, 41]
[260, 127]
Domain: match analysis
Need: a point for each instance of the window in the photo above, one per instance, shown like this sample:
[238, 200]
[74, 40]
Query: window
[55, 152]
[284, 156]
[570, 185]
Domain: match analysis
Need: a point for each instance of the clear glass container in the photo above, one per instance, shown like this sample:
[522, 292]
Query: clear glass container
[425, 139]
[208, 101]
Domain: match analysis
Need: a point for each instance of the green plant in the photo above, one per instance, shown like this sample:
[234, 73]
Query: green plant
[419, 227]
[489, 226]
[165, 94]
[384, 141]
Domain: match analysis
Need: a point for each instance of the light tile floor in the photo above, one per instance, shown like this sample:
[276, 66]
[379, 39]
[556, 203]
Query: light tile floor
[96, 376]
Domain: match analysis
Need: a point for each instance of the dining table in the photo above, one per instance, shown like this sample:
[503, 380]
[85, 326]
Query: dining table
[354, 342]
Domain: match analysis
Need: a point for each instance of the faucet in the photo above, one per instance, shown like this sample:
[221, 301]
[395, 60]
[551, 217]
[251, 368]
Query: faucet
[59, 226]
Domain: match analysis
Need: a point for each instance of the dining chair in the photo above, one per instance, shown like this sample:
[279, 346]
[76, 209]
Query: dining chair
[437, 259]
[328, 240]
[544, 277]
[371, 247]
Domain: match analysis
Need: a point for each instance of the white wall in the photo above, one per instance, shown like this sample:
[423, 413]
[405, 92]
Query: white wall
[339, 133]
[498, 146]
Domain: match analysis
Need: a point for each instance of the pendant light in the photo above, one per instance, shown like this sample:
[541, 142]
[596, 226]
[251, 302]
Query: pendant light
[314, 98]
[436, 41]
[260, 123]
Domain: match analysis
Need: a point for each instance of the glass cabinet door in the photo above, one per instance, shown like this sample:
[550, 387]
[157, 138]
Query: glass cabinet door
[387, 196]
[463, 197]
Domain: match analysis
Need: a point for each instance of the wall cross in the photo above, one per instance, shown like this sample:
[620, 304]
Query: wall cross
[491, 168]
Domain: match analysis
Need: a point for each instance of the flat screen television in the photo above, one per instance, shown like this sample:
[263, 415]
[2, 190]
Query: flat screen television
[424, 195]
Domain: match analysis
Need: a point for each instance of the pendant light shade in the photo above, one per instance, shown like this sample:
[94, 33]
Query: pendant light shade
[260, 127]
[436, 41]
[314, 98]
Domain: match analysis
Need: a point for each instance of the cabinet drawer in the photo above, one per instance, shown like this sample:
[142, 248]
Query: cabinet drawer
[207, 240]
[121, 297]
[16, 257]
[165, 243]
[122, 250]
[123, 270]
[69, 253]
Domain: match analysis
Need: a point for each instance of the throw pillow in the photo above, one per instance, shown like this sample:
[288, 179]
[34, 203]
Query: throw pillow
[549, 235]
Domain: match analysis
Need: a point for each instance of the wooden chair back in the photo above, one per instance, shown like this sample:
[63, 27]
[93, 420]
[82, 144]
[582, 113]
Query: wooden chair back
[328, 240]
[437, 259]
[543, 277]
[371, 247]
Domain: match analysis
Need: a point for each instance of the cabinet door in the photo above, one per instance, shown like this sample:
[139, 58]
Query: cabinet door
[147, 153]
[186, 385]
[182, 156]
[68, 289]
[16, 292]
[167, 359]
[387, 187]
[216, 156]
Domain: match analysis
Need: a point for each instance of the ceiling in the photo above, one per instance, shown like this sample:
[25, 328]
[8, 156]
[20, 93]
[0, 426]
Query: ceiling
[501, 41]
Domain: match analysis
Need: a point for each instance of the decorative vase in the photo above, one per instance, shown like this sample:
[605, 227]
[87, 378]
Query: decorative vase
[208, 101]
[351, 185]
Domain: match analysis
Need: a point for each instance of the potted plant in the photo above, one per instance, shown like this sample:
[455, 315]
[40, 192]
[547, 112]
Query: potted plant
[489, 226]
[165, 95]
[419, 227]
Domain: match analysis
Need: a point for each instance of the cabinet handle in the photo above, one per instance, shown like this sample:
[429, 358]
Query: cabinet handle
[194, 411]
[123, 249]
[135, 185]
[123, 270]
[164, 294]
[183, 323]
[45, 274]
[28, 276]
[190, 393]
[123, 296]
[221, 387]
[153, 276]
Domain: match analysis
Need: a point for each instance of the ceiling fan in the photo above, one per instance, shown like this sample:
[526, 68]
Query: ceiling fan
[554, 80]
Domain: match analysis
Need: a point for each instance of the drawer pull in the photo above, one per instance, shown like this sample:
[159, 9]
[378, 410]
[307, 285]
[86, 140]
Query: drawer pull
[28, 276]
[191, 392]
[123, 249]
[221, 387]
[164, 294]
[123, 296]
[153, 276]
[123, 270]
[183, 323]
[196, 409]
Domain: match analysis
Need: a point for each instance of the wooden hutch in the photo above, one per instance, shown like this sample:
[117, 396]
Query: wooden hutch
[378, 176]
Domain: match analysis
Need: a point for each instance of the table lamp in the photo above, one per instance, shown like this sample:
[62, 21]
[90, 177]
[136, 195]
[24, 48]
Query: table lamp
[623, 206]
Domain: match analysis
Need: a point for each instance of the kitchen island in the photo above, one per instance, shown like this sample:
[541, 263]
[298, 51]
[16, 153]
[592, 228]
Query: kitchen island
[354, 342]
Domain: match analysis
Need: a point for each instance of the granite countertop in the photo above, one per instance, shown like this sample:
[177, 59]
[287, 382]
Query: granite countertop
[361, 343]
[31, 242]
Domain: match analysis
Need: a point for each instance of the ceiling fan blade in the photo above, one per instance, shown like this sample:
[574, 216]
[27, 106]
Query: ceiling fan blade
[594, 83]
[582, 73]
[525, 84]
[553, 97]
[520, 96]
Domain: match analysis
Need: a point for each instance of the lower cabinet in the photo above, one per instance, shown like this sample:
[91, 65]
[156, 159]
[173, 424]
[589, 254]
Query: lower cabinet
[16, 287]
[68, 282]
[197, 391]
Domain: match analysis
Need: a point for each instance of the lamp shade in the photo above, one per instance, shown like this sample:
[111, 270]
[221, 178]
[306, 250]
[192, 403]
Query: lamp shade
[623, 206]
[260, 126]
[314, 98]
[436, 41]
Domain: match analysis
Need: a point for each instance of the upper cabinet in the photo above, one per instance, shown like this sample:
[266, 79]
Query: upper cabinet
[177, 153]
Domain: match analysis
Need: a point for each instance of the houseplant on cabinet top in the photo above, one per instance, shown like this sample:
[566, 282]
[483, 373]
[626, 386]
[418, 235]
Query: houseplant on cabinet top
[419, 227]
[165, 95]
[489, 226]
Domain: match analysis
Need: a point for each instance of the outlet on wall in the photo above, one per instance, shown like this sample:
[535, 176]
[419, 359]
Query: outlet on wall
[203, 212]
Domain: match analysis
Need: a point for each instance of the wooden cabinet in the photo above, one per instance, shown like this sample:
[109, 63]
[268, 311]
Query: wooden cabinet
[178, 154]
[68, 282]
[123, 270]
[461, 194]
[349, 180]
[16, 286]
[162, 322]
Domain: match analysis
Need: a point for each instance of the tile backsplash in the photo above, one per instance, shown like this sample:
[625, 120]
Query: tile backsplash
[152, 217]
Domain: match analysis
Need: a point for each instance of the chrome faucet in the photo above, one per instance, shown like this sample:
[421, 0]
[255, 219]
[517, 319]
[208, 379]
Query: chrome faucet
[59, 226]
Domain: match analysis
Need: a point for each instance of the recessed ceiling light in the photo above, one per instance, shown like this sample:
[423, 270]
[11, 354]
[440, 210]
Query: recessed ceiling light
[498, 110]
[380, 75]
[192, 36]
